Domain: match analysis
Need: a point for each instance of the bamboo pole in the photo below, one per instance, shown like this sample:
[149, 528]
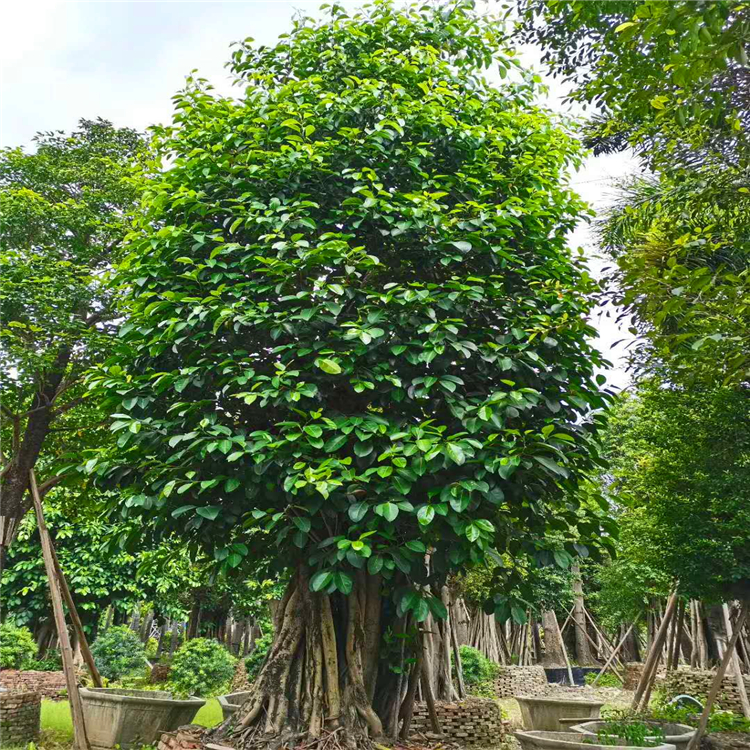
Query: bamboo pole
[654, 655]
[718, 677]
[76, 620]
[565, 653]
[736, 664]
[80, 740]
[614, 653]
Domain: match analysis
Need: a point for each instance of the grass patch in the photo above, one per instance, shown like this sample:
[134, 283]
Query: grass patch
[57, 723]
[210, 715]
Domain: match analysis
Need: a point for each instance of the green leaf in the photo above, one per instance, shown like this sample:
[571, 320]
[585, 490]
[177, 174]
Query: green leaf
[425, 514]
[518, 615]
[329, 365]
[313, 430]
[374, 565]
[456, 453]
[303, 524]
[416, 546]
[343, 582]
[389, 511]
[336, 442]
[357, 511]
[321, 580]
[209, 511]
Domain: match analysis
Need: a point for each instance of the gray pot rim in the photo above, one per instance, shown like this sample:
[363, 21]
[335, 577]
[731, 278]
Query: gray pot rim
[566, 701]
[570, 744]
[120, 695]
[224, 699]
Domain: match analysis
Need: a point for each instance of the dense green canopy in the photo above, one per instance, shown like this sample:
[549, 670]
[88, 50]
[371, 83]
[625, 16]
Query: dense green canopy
[355, 331]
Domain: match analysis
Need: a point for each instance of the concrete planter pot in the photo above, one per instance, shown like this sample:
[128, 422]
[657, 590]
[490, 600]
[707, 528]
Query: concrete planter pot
[230, 703]
[543, 713]
[568, 741]
[678, 735]
[125, 718]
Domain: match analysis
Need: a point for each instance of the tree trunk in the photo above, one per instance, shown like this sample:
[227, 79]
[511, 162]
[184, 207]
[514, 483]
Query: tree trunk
[321, 673]
[583, 650]
[553, 647]
[195, 622]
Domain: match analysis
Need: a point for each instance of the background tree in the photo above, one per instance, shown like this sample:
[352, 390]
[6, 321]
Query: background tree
[670, 80]
[63, 214]
[357, 339]
[682, 457]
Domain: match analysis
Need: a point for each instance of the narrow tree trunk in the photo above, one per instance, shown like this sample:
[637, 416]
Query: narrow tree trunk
[553, 645]
[583, 650]
[174, 639]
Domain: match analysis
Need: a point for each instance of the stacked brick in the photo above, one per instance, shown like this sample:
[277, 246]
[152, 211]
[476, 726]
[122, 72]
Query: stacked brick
[512, 681]
[47, 684]
[471, 722]
[20, 717]
[697, 682]
[185, 738]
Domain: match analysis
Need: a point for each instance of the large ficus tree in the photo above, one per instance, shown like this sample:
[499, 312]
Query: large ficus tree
[357, 344]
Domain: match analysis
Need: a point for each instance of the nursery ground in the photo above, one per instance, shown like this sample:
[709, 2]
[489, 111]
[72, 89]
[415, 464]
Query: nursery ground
[57, 728]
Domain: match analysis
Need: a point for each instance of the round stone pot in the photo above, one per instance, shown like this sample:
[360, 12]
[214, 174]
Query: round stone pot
[678, 735]
[543, 713]
[116, 717]
[538, 740]
[231, 702]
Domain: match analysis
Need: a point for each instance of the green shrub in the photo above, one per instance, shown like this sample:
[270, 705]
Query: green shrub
[201, 667]
[118, 653]
[17, 646]
[479, 672]
[606, 680]
[52, 662]
[255, 659]
[151, 647]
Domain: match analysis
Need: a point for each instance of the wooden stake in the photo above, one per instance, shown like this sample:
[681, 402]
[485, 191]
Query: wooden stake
[718, 677]
[429, 696]
[80, 740]
[457, 659]
[614, 653]
[565, 653]
[654, 655]
[736, 665]
[76, 620]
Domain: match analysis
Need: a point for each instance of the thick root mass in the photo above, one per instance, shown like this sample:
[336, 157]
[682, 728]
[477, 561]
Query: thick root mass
[316, 687]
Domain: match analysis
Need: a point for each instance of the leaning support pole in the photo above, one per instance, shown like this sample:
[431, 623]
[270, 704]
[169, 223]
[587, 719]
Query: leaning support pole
[80, 740]
[614, 653]
[719, 676]
[76, 620]
[736, 665]
[654, 655]
[565, 652]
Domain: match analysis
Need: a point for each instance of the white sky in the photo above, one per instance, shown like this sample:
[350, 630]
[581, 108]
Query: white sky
[123, 61]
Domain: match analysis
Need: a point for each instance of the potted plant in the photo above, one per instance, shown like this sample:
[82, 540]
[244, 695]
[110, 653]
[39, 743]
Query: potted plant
[540, 740]
[631, 731]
